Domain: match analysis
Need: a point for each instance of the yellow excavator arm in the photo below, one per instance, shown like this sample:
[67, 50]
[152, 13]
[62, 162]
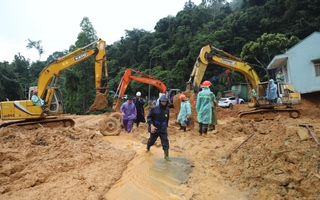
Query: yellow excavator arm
[286, 93]
[205, 57]
[231, 62]
[53, 70]
[47, 90]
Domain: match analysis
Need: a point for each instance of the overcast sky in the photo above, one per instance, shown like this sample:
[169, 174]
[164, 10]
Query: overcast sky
[57, 23]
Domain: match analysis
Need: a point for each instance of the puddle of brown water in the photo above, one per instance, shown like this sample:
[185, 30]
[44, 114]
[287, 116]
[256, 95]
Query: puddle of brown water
[148, 176]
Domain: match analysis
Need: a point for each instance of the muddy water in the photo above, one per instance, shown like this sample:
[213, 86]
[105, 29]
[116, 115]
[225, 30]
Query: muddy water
[149, 176]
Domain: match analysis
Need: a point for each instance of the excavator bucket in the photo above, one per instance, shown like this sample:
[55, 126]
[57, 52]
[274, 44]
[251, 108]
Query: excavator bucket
[115, 105]
[99, 103]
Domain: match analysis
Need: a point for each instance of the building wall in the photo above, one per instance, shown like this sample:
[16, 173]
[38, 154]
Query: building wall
[241, 90]
[301, 72]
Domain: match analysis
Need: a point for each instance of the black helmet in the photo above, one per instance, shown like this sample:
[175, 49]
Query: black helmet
[163, 98]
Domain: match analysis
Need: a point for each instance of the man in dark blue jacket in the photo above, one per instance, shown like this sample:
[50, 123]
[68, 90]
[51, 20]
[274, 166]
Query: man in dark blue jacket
[158, 119]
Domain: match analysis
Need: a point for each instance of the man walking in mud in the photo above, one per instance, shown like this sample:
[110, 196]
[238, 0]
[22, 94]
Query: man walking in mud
[129, 114]
[158, 119]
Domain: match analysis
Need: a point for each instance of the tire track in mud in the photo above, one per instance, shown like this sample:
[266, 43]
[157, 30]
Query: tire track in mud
[149, 176]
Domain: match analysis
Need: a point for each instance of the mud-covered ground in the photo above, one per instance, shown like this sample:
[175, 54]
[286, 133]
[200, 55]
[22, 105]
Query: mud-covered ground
[279, 160]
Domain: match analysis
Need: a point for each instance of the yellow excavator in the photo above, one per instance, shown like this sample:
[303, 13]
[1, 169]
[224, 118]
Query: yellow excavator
[263, 108]
[29, 114]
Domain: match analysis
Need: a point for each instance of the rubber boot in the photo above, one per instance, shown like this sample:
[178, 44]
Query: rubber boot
[137, 124]
[166, 155]
[148, 148]
[184, 128]
[205, 129]
[180, 127]
[200, 129]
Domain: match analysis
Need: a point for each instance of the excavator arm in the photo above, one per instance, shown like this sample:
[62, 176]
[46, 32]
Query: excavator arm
[231, 62]
[205, 57]
[140, 77]
[50, 74]
[286, 93]
[214, 78]
[47, 90]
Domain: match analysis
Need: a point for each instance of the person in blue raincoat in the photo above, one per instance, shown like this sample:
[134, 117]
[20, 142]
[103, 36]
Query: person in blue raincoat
[203, 107]
[185, 112]
[272, 91]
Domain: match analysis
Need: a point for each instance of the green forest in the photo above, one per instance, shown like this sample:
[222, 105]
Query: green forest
[254, 30]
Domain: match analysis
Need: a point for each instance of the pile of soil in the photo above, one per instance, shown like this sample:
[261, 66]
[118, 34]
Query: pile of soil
[278, 160]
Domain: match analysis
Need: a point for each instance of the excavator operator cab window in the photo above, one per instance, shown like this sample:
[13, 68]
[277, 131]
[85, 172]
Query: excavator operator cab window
[171, 96]
[30, 94]
[172, 93]
[262, 90]
[57, 101]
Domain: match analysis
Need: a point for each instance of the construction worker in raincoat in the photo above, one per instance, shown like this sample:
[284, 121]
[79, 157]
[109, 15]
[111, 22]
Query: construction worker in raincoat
[158, 120]
[204, 107]
[184, 113]
[272, 91]
[36, 100]
[139, 103]
[129, 114]
[280, 77]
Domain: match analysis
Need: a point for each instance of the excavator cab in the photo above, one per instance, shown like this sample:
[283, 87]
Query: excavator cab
[286, 95]
[171, 93]
[56, 105]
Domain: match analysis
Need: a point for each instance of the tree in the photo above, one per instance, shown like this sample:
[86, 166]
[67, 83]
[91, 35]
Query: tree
[265, 48]
[215, 4]
[10, 86]
[20, 66]
[79, 82]
[36, 45]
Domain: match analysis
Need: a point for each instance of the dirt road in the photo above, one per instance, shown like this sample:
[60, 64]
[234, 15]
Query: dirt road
[280, 161]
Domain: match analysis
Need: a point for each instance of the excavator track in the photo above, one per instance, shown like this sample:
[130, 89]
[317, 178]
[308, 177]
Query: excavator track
[270, 114]
[35, 124]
